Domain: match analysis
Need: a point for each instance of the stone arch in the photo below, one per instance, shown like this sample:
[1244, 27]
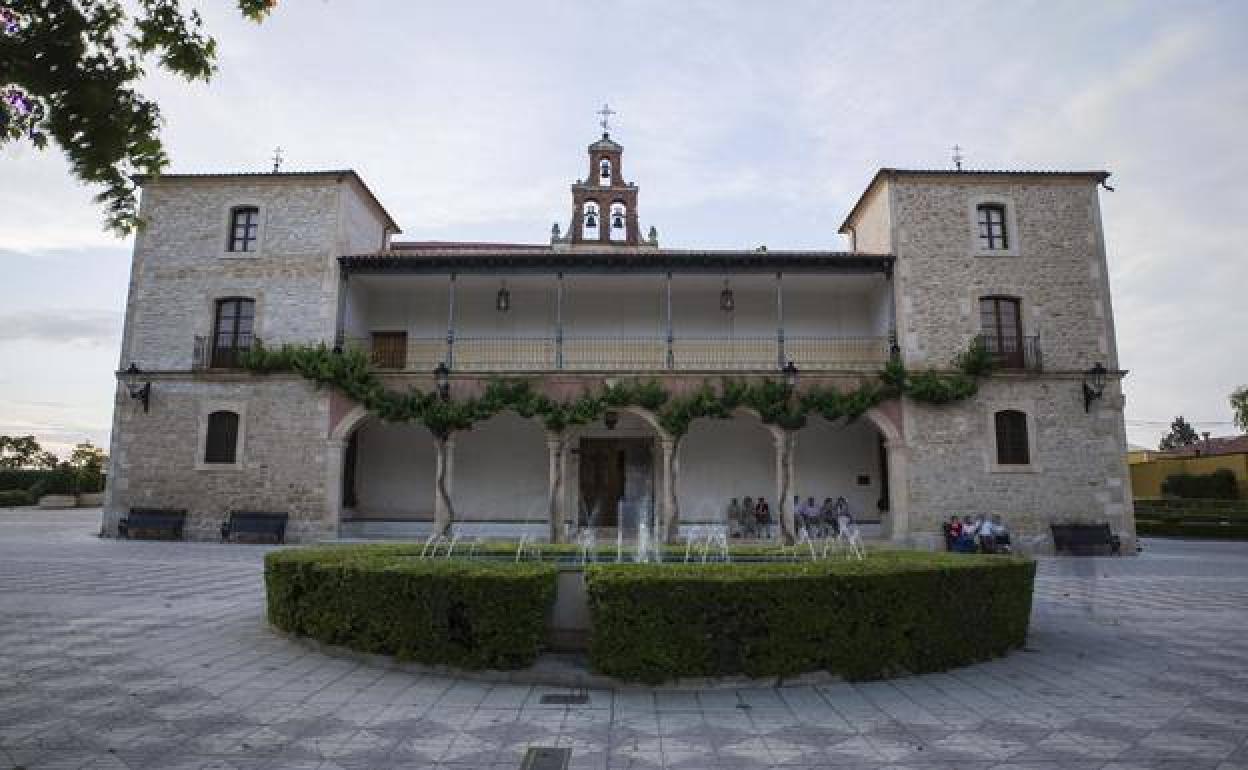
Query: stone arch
[721, 459]
[501, 476]
[392, 474]
[347, 425]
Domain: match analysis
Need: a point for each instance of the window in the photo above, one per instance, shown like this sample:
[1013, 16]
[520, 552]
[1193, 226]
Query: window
[1012, 445]
[232, 331]
[244, 226]
[1000, 321]
[221, 444]
[390, 350]
[992, 230]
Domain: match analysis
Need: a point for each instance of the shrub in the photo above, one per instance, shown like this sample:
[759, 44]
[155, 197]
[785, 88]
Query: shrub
[893, 613]
[13, 497]
[15, 478]
[1223, 529]
[383, 599]
[63, 480]
[1218, 485]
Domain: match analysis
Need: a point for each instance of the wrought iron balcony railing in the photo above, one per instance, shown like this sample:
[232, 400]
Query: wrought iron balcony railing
[206, 355]
[624, 353]
[1018, 353]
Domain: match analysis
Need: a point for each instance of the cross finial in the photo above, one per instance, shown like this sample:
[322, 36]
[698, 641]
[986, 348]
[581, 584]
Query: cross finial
[606, 112]
[277, 160]
[957, 157]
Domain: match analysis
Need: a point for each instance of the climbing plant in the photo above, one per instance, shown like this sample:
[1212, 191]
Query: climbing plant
[351, 373]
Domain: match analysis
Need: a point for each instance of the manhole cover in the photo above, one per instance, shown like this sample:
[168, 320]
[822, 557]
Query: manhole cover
[546, 758]
[565, 699]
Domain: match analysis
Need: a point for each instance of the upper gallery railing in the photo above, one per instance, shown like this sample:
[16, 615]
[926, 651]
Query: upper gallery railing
[601, 353]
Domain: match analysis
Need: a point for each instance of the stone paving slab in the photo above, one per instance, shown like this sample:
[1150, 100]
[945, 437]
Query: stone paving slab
[156, 655]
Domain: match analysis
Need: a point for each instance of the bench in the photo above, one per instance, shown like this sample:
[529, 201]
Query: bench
[161, 520]
[1083, 537]
[255, 523]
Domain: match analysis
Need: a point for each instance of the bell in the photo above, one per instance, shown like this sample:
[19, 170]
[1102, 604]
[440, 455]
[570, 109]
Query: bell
[617, 222]
[606, 171]
[591, 220]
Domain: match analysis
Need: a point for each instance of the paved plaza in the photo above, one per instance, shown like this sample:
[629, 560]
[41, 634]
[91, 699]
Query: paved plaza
[156, 655]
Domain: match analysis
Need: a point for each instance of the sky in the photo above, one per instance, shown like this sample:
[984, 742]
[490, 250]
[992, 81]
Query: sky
[743, 123]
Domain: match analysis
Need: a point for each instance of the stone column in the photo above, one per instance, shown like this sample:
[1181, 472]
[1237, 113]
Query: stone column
[669, 507]
[898, 503]
[443, 508]
[335, 452]
[785, 441]
[554, 449]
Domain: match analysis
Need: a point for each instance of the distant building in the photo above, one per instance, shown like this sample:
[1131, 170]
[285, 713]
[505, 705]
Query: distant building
[1149, 468]
[937, 259]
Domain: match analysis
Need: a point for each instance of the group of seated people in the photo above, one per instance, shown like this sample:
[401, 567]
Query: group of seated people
[977, 535]
[752, 518]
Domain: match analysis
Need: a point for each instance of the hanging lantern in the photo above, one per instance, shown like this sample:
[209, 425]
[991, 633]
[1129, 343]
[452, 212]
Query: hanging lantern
[502, 302]
[442, 380]
[727, 301]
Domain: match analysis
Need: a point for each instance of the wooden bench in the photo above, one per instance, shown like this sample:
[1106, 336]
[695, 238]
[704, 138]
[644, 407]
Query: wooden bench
[255, 523]
[161, 520]
[1083, 537]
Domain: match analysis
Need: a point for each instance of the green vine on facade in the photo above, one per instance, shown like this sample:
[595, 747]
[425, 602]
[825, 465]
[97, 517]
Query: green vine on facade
[352, 374]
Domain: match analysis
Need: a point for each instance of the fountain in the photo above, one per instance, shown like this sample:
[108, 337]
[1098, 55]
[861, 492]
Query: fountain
[585, 545]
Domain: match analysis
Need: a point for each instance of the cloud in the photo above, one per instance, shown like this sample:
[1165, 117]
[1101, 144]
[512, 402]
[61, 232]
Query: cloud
[79, 327]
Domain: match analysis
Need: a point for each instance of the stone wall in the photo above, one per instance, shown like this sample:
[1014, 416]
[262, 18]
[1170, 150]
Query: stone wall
[181, 267]
[157, 456]
[1056, 266]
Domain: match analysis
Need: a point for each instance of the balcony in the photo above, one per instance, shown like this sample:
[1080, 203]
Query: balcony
[619, 323]
[209, 356]
[623, 354]
[1013, 353]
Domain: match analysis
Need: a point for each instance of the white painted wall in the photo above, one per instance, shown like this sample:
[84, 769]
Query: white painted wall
[394, 472]
[723, 459]
[620, 305]
[501, 471]
[830, 456]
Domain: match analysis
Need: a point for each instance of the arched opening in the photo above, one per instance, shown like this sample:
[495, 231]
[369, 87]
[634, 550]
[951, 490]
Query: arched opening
[604, 172]
[849, 459]
[501, 478]
[614, 473]
[722, 460]
[593, 220]
[619, 221]
[387, 479]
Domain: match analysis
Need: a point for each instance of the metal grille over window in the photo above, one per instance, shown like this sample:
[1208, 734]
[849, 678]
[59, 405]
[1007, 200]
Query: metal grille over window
[222, 441]
[1011, 427]
[232, 333]
[992, 230]
[244, 226]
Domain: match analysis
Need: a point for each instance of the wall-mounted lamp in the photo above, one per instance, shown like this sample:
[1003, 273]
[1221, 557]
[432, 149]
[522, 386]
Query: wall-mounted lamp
[141, 393]
[790, 376]
[1093, 385]
[442, 381]
[727, 302]
[502, 302]
[611, 418]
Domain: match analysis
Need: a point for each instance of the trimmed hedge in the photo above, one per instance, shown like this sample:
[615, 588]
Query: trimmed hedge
[22, 478]
[1218, 485]
[1185, 528]
[894, 613]
[14, 497]
[383, 599]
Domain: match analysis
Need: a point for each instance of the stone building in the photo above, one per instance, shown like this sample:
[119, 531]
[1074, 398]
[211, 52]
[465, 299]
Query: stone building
[937, 259]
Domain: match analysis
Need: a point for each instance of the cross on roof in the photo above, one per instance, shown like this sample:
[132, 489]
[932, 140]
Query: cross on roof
[957, 157]
[277, 160]
[606, 112]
